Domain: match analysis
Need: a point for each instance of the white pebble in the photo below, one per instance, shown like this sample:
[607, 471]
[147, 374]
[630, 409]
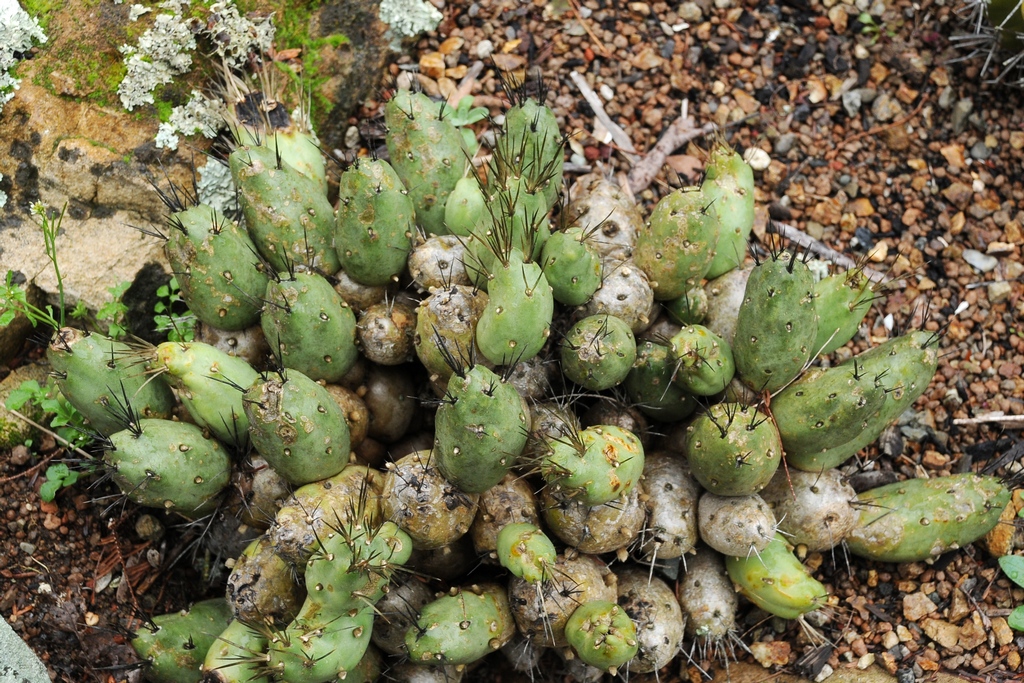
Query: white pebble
[757, 158]
[484, 49]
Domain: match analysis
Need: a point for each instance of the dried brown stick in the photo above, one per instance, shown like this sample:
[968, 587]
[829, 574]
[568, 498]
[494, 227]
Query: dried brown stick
[466, 84]
[67, 444]
[619, 136]
[807, 242]
[1008, 421]
[679, 132]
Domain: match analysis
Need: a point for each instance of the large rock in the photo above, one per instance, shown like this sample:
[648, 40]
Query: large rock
[65, 138]
[354, 67]
[100, 162]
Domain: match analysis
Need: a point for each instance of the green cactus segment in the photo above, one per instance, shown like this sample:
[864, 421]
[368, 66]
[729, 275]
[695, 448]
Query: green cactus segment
[729, 188]
[427, 153]
[918, 519]
[650, 387]
[776, 581]
[287, 214]
[446, 323]
[595, 465]
[321, 645]
[841, 300]
[298, 427]
[676, 245]
[531, 148]
[312, 328]
[466, 211]
[216, 265]
[375, 223]
[704, 361]
[480, 430]
[572, 266]
[517, 318]
[526, 551]
[210, 384]
[733, 449]
[344, 577]
[689, 309]
[826, 407]
[463, 627]
[236, 656]
[96, 374]
[602, 634]
[175, 648]
[524, 215]
[297, 147]
[598, 352]
[169, 465]
[901, 368]
[354, 564]
[777, 323]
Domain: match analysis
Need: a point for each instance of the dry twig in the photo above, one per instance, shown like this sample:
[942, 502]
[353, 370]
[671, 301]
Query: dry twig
[619, 136]
[1007, 421]
[679, 132]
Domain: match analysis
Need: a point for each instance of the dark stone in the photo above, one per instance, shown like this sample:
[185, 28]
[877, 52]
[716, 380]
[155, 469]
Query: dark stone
[362, 60]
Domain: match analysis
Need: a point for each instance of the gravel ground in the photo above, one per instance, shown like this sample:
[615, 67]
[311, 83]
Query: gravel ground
[877, 145]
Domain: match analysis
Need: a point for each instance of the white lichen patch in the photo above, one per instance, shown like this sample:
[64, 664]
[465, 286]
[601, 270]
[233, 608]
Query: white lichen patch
[18, 31]
[236, 36]
[163, 52]
[216, 188]
[200, 116]
[409, 18]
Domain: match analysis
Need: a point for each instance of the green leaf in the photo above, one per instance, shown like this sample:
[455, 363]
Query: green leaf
[48, 491]
[26, 391]
[57, 472]
[1013, 567]
[1016, 619]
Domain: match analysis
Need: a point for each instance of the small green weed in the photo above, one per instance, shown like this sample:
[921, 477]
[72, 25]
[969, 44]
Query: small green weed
[114, 311]
[67, 422]
[178, 327]
[57, 477]
[14, 298]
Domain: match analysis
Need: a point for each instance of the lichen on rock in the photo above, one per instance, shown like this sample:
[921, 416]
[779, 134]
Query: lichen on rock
[409, 18]
[18, 31]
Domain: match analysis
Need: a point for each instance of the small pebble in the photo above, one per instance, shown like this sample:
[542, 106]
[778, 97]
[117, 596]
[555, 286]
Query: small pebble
[484, 49]
[27, 548]
[20, 455]
[785, 143]
[961, 110]
[852, 102]
[983, 263]
[980, 151]
[757, 158]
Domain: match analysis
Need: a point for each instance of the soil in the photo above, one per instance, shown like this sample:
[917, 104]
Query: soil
[881, 146]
